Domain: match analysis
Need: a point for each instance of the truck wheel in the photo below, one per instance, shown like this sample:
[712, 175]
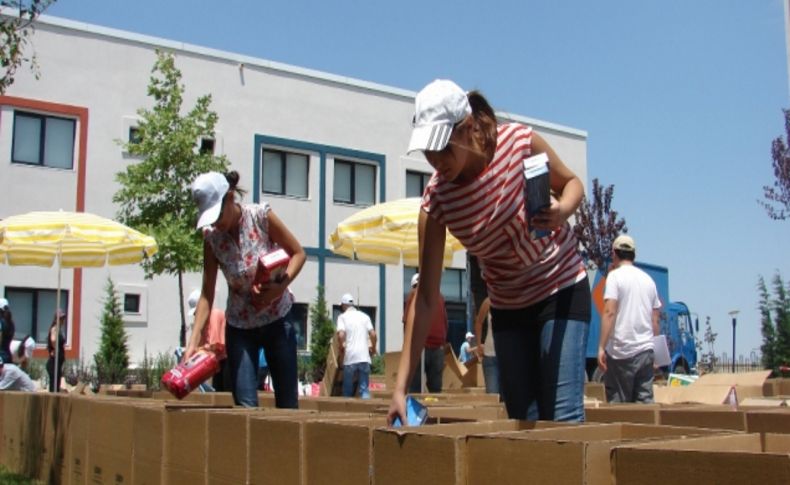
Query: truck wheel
[681, 368]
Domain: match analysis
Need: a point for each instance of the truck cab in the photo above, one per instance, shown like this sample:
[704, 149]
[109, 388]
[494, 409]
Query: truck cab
[675, 322]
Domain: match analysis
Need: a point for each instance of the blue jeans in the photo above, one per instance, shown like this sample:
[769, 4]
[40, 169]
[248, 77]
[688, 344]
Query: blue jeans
[491, 374]
[279, 343]
[541, 366]
[360, 370]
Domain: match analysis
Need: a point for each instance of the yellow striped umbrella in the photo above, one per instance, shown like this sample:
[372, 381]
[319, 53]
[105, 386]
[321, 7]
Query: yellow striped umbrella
[385, 233]
[73, 239]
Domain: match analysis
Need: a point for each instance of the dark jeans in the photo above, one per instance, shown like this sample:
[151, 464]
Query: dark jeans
[434, 367]
[55, 386]
[279, 344]
[541, 366]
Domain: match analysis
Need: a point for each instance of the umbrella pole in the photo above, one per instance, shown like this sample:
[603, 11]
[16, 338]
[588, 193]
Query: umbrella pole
[55, 386]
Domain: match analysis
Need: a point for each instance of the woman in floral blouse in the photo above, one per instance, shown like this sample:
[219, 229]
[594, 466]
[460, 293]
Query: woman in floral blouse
[234, 236]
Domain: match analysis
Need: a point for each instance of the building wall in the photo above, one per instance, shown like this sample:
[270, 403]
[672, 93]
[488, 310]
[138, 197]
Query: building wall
[259, 103]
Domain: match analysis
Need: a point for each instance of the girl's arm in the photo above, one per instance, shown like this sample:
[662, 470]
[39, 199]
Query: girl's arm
[564, 183]
[204, 304]
[280, 235]
[432, 236]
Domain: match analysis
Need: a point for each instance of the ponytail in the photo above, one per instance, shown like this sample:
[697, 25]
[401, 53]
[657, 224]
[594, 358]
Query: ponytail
[484, 116]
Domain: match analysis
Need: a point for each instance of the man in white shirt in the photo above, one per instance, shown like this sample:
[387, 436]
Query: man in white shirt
[22, 351]
[357, 343]
[13, 379]
[630, 320]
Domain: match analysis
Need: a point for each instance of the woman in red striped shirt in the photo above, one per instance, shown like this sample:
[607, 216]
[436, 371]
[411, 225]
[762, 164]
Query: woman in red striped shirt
[537, 284]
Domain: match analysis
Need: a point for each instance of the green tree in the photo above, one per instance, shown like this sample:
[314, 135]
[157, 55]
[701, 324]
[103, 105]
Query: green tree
[777, 197]
[780, 305]
[155, 196]
[768, 348]
[15, 33]
[597, 226]
[710, 340]
[322, 333]
[112, 359]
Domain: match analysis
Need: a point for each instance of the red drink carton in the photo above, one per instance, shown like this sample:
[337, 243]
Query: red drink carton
[271, 266]
[187, 376]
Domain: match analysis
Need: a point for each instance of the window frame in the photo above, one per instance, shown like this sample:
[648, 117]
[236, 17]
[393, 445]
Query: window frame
[284, 173]
[424, 179]
[42, 118]
[352, 183]
[34, 292]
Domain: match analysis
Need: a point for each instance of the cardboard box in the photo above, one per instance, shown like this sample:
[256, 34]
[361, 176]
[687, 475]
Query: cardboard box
[721, 460]
[722, 388]
[214, 399]
[595, 390]
[391, 363]
[577, 454]
[623, 413]
[77, 438]
[715, 417]
[468, 413]
[433, 453]
[457, 375]
[185, 446]
[340, 451]
[276, 446]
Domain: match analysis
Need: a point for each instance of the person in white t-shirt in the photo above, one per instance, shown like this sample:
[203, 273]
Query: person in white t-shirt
[357, 343]
[12, 378]
[630, 320]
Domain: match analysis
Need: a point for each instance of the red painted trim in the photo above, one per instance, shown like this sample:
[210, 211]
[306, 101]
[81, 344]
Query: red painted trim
[81, 113]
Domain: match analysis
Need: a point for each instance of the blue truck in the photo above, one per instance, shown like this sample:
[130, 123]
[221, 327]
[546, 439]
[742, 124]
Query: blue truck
[675, 320]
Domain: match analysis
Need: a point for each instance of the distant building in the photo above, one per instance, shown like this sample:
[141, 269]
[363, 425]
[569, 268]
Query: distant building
[336, 145]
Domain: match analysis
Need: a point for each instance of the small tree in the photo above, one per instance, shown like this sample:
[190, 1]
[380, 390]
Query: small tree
[155, 194]
[597, 226]
[768, 348]
[112, 359]
[710, 341]
[777, 198]
[780, 308]
[322, 333]
[15, 32]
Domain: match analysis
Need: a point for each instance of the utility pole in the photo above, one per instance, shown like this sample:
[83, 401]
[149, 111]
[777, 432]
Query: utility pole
[733, 314]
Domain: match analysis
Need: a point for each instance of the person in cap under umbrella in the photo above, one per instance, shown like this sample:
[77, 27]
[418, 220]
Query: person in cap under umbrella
[357, 343]
[234, 237]
[540, 296]
[630, 319]
[12, 378]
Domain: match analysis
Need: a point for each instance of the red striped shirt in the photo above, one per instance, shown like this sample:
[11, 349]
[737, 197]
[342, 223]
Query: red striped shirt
[488, 218]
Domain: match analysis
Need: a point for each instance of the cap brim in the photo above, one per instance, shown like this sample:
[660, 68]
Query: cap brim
[210, 215]
[430, 137]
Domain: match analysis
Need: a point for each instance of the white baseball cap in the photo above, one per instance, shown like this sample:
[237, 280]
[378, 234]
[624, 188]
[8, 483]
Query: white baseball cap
[208, 190]
[192, 301]
[470, 335]
[415, 280]
[437, 108]
[347, 299]
[624, 242]
[3, 303]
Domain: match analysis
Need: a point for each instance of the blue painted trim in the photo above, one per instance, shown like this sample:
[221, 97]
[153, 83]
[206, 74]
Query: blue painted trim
[321, 252]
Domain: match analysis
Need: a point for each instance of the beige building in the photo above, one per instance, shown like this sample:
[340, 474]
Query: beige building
[317, 146]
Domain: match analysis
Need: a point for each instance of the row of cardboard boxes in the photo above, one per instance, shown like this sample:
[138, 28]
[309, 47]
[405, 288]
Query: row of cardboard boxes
[117, 440]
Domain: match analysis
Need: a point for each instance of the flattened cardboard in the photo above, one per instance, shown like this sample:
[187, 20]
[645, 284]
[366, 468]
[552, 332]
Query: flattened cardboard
[574, 454]
[719, 388]
[722, 460]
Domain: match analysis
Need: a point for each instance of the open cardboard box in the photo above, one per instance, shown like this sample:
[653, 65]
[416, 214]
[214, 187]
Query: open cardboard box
[723, 459]
[433, 454]
[723, 388]
[578, 454]
[623, 413]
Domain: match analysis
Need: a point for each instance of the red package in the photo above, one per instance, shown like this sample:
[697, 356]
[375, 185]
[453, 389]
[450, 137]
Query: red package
[187, 376]
[271, 266]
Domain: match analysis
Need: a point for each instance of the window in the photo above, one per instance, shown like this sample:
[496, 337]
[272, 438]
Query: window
[207, 146]
[299, 313]
[355, 183]
[135, 136]
[285, 173]
[416, 182]
[33, 310]
[43, 140]
[131, 303]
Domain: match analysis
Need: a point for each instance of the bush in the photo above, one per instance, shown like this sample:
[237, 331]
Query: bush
[151, 371]
[112, 359]
[377, 365]
[323, 330]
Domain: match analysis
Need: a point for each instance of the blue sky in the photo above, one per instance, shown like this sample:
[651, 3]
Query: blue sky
[680, 101]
